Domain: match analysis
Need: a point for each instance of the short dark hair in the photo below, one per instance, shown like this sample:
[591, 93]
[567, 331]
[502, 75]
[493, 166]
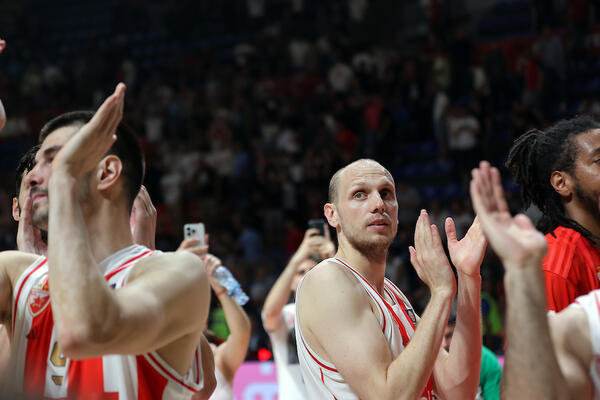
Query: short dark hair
[24, 166]
[126, 147]
[532, 159]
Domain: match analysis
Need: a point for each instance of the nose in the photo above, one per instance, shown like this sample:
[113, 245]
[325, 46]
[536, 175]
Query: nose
[33, 177]
[377, 205]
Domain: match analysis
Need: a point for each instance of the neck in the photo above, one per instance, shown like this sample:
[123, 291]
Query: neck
[108, 230]
[371, 267]
[588, 220]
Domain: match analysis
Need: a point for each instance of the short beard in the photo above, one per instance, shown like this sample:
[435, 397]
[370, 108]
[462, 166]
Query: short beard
[373, 251]
[40, 219]
[589, 203]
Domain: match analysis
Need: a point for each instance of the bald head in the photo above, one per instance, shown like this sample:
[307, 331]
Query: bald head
[334, 183]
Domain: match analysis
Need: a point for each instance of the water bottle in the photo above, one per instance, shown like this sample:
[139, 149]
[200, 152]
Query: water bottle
[225, 279]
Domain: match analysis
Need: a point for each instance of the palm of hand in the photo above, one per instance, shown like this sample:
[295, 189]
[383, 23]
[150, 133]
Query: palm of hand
[467, 254]
[82, 152]
[515, 238]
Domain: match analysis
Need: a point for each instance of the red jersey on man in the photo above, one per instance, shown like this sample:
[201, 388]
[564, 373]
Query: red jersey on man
[571, 267]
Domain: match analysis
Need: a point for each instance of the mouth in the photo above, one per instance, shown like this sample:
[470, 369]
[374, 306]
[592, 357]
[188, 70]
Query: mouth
[37, 196]
[379, 223]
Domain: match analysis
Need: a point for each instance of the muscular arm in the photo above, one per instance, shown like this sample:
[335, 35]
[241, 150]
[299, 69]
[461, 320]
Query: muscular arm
[528, 339]
[368, 368]
[91, 318]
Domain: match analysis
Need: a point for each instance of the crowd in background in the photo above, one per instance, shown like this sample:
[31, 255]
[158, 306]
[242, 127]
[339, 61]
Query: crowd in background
[246, 108]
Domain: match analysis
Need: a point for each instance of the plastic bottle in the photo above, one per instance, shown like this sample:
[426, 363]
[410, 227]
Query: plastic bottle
[225, 279]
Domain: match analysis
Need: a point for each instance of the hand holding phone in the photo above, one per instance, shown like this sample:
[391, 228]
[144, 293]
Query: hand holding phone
[195, 231]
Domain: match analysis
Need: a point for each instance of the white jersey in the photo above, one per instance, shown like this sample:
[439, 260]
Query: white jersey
[590, 303]
[397, 321]
[283, 341]
[224, 390]
[38, 369]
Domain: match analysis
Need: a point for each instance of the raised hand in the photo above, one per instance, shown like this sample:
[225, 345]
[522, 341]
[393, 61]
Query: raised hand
[143, 219]
[82, 152]
[193, 246]
[466, 254]
[211, 263]
[429, 259]
[514, 239]
[29, 238]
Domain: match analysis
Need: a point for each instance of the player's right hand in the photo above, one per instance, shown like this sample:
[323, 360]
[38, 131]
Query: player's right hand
[429, 259]
[514, 239]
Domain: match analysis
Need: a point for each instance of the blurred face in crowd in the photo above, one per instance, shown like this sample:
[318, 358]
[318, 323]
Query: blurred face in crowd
[365, 211]
[303, 268]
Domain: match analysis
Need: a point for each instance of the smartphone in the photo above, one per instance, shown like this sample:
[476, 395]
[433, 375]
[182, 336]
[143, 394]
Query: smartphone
[194, 231]
[317, 224]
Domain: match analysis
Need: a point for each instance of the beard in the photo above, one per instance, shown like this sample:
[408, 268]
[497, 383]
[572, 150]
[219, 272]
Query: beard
[39, 218]
[371, 249]
[590, 202]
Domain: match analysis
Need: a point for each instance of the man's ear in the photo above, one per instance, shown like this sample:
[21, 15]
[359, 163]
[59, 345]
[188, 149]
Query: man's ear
[109, 171]
[562, 183]
[330, 212]
[16, 210]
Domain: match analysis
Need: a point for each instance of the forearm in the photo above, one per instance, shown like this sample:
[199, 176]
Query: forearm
[407, 375]
[279, 295]
[82, 303]
[528, 339]
[457, 376]
[237, 319]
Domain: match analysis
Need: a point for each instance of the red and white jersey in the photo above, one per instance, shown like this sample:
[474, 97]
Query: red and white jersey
[590, 303]
[38, 369]
[398, 322]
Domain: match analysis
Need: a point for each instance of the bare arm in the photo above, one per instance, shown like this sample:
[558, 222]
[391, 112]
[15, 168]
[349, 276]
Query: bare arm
[369, 369]
[457, 372]
[531, 366]
[280, 292]
[230, 354]
[91, 318]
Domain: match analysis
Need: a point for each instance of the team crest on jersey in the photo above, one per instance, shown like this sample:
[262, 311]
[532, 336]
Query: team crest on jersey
[411, 315]
[39, 297]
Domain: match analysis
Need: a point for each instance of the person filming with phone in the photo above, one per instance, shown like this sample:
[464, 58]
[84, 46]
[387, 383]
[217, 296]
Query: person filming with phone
[278, 311]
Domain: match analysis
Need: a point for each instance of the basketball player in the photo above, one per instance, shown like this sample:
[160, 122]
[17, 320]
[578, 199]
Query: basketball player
[558, 172]
[278, 315]
[357, 334]
[547, 357]
[101, 316]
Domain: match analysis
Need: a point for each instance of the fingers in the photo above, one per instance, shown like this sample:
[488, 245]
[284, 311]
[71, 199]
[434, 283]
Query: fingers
[310, 232]
[2, 45]
[326, 230]
[523, 222]
[498, 191]
[450, 230]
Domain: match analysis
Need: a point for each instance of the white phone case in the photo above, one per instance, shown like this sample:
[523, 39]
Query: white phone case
[194, 231]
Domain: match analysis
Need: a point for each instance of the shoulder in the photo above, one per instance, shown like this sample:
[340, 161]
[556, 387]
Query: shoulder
[14, 263]
[181, 263]
[562, 249]
[330, 284]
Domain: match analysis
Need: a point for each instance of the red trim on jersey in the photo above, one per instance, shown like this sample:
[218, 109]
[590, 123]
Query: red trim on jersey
[322, 378]
[125, 264]
[151, 384]
[14, 314]
[405, 338]
[86, 378]
[402, 306]
[170, 375]
[315, 358]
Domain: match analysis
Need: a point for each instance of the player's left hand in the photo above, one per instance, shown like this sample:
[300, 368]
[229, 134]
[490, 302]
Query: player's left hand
[29, 238]
[466, 254]
[143, 219]
[84, 150]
